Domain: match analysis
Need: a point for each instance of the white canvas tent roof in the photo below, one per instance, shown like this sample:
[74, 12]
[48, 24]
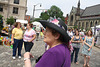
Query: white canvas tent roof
[37, 24]
[98, 26]
[22, 21]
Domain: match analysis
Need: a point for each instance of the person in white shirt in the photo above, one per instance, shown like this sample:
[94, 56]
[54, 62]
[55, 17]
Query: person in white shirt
[37, 32]
[70, 33]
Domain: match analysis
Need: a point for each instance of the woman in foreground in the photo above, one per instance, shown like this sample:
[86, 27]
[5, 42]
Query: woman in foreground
[59, 53]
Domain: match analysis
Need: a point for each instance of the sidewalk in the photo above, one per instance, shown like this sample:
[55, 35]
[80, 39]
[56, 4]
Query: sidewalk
[37, 50]
[98, 46]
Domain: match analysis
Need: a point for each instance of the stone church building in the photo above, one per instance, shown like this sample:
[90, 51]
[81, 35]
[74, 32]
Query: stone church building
[84, 18]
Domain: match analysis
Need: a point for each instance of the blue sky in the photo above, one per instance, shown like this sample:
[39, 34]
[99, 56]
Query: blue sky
[64, 5]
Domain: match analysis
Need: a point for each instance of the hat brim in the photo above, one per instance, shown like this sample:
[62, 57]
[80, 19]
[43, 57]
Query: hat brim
[55, 27]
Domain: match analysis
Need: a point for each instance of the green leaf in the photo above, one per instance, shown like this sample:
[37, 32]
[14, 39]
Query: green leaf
[53, 11]
[10, 20]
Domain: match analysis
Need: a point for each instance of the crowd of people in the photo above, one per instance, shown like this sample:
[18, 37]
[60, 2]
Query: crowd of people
[21, 36]
[62, 42]
[78, 39]
[59, 53]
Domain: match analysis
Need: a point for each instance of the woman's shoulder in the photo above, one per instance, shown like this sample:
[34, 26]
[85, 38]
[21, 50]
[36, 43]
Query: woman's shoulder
[59, 49]
[14, 29]
[32, 29]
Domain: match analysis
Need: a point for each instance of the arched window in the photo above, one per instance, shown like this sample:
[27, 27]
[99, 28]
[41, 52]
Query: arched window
[96, 23]
[79, 24]
[83, 24]
[86, 24]
[72, 18]
[91, 24]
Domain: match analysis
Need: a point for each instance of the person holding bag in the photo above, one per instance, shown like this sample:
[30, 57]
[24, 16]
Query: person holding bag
[76, 40]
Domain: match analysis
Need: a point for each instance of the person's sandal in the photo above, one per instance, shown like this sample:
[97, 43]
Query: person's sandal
[77, 63]
[88, 65]
[84, 65]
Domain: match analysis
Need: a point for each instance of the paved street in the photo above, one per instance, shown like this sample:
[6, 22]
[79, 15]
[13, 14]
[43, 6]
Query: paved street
[38, 49]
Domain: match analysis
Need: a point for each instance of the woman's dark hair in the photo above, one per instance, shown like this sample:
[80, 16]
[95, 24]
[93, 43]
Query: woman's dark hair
[16, 24]
[77, 31]
[31, 25]
[61, 38]
[91, 33]
[69, 29]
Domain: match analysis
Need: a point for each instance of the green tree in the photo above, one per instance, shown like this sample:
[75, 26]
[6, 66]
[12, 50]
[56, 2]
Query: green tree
[10, 20]
[75, 27]
[44, 16]
[37, 19]
[54, 11]
[1, 22]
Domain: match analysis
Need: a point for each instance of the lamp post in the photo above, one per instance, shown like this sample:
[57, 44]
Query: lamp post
[34, 9]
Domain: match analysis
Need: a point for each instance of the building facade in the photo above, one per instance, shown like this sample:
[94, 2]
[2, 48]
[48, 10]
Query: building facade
[66, 19]
[15, 8]
[84, 18]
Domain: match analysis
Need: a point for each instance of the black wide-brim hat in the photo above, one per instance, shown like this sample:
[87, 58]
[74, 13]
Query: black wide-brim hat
[57, 25]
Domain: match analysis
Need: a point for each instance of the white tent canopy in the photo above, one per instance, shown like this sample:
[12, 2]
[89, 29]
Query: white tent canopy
[37, 24]
[98, 26]
[22, 21]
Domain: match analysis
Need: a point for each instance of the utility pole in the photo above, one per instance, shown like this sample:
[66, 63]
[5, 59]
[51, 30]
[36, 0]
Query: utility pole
[34, 9]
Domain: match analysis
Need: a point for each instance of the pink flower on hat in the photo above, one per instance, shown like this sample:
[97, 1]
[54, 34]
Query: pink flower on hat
[55, 21]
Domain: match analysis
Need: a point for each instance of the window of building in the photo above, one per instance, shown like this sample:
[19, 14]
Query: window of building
[86, 24]
[91, 24]
[15, 10]
[79, 25]
[72, 18]
[1, 8]
[83, 24]
[16, 1]
[96, 23]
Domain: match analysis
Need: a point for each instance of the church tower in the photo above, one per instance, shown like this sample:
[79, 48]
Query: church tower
[78, 11]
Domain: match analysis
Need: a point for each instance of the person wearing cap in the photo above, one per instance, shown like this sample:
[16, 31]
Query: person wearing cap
[58, 55]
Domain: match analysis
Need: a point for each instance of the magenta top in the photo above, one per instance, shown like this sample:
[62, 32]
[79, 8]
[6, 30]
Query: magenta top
[58, 56]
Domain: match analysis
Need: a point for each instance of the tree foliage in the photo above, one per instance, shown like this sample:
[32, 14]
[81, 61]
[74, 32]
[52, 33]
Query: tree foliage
[10, 20]
[54, 11]
[37, 19]
[75, 27]
[44, 16]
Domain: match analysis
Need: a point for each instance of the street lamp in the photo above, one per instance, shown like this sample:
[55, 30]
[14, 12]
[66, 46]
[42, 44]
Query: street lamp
[34, 8]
